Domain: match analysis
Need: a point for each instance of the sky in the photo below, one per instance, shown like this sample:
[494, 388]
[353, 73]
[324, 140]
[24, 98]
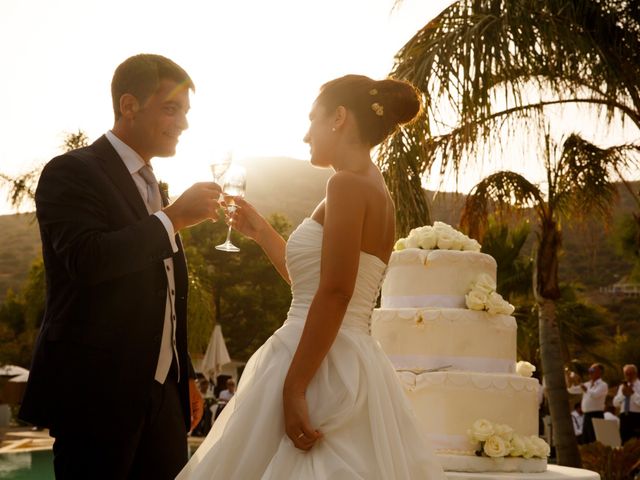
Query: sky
[257, 66]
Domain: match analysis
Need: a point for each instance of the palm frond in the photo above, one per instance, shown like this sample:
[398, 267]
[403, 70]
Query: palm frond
[483, 60]
[586, 174]
[499, 193]
[403, 176]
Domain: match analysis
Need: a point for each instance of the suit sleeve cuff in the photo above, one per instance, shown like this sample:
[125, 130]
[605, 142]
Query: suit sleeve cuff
[169, 228]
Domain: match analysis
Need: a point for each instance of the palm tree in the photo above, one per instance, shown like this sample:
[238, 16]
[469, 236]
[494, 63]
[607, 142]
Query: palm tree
[23, 187]
[489, 67]
[578, 180]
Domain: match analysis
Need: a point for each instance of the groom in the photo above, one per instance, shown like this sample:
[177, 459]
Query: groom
[111, 373]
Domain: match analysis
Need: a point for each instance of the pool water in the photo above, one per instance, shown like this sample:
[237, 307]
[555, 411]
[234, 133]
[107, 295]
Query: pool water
[37, 465]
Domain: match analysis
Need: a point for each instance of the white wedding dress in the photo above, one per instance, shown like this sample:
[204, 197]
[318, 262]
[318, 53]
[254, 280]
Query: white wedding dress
[355, 400]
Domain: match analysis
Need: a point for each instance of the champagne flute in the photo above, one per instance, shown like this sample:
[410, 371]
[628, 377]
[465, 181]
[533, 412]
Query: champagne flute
[219, 167]
[235, 180]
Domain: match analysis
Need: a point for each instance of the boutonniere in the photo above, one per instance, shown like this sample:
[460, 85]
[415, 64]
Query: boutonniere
[164, 189]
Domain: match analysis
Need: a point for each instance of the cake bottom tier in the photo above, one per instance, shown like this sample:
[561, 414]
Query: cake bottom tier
[448, 403]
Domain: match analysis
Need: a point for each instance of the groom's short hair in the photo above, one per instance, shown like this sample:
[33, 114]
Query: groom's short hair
[140, 76]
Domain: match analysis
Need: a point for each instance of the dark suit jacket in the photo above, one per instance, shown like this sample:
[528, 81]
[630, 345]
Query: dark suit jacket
[97, 350]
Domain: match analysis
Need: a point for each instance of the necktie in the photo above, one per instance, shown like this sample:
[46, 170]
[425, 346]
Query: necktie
[627, 404]
[154, 202]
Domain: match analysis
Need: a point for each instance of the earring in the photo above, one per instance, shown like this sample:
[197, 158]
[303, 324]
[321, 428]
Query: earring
[333, 129]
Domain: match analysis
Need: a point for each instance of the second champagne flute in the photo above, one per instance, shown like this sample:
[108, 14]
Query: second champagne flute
[234, 185]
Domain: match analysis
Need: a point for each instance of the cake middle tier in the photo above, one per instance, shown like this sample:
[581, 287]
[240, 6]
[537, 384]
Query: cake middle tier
[420, 339]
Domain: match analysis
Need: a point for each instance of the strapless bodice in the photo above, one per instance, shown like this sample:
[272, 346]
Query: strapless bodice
[303, 255]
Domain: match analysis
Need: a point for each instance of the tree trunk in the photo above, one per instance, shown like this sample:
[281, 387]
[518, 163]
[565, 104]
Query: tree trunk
[547, 261]
[564, 438]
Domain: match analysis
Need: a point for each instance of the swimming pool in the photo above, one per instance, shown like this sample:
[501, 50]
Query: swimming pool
[35, 465]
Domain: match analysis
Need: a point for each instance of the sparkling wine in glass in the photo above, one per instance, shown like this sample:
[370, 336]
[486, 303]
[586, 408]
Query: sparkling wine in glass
[235, 180]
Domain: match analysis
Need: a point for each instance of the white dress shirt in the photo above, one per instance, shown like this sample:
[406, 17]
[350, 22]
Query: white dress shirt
[578, 422]
[593, 398]
[134, 163]
[225, 396]
[634, 400]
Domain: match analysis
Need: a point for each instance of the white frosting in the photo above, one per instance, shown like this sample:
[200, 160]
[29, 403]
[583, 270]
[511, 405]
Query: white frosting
[433, 278]
[427, 338]
[447, 404]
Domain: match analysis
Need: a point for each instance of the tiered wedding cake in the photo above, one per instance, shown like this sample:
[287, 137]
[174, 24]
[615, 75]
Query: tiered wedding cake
[452, 340]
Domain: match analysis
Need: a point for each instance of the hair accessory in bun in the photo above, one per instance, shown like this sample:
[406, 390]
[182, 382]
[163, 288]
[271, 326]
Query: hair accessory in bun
[376, 107]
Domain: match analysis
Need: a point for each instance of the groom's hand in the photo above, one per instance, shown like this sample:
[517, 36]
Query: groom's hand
[198, 203]
[197, 403]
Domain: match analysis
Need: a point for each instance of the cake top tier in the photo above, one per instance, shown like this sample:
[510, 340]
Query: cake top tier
[433, 278]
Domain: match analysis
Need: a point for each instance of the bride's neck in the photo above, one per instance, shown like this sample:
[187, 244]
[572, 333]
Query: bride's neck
[352, 160]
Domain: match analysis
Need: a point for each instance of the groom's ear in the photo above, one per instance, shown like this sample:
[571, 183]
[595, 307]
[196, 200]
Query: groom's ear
[129, 105]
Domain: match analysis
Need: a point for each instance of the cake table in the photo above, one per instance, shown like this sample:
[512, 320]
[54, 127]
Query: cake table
[554, 472]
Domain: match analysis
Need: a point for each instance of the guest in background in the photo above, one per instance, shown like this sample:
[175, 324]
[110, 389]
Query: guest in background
[594, 394]
[225, 396]
[628, 401]
[206, 421]
[577, 417]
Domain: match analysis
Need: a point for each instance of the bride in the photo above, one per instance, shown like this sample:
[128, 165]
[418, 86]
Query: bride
[320, 400]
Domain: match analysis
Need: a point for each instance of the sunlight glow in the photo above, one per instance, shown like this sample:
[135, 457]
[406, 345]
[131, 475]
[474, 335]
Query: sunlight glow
[257, 67]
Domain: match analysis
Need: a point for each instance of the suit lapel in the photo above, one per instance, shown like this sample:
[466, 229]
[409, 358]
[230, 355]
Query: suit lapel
[115, 168]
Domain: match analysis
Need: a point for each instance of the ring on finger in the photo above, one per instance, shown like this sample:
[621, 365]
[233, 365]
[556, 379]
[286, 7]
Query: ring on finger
[300, 436]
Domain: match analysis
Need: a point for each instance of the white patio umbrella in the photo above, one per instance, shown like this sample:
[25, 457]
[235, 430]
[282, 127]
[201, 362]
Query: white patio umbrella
[216, 355]
[22, 378]
[12, 370]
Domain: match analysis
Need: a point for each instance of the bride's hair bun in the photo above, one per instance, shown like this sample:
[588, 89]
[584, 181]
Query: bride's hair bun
[379, 106]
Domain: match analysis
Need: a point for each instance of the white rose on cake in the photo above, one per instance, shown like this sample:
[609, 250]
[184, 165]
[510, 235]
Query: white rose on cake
[400, 244]
[484, 283]
[495, 447]
[497, 305]
[525, 369]
[503, 431]
[447, 240]
[470, 244]
[412, 240]
[499, 440]
[517, 446]
[427, 238]
[540, 448]
[481, 430]
[440, 235]
[475, 300]
[529, 449]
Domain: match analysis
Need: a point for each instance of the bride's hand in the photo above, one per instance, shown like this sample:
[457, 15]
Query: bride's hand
[246, 219]
[296, 421]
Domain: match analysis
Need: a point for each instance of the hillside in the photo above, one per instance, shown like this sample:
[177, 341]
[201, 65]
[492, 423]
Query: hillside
[19, 246]
[294, 188]
[284, 185]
